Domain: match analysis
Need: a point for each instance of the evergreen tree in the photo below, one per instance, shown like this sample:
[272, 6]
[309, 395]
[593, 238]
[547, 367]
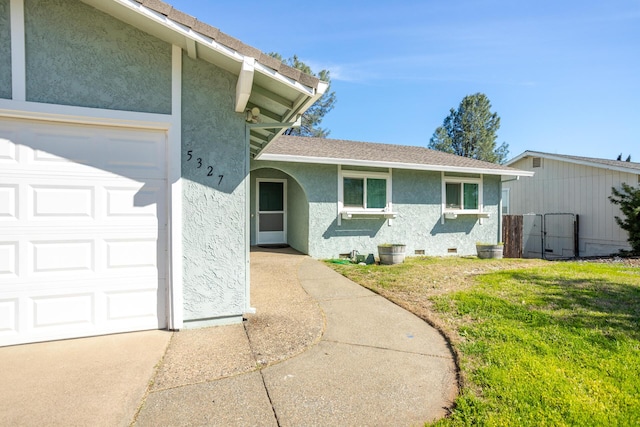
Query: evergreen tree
[312, 118]
[470, 131]
[628, 198]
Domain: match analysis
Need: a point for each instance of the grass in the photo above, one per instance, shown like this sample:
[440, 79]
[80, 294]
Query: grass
[538, 343]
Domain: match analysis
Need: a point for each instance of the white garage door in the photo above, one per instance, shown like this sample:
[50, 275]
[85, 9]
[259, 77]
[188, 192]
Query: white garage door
[82, 230]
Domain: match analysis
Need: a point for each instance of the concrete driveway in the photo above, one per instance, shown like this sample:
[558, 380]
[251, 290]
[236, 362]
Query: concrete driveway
[320, 350]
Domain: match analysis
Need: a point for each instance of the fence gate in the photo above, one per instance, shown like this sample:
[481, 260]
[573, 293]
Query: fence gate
[532, 236]
[512, 236]
[560, 236]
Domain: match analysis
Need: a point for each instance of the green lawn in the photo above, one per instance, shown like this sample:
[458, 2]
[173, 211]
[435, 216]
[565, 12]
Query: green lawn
[545, 344]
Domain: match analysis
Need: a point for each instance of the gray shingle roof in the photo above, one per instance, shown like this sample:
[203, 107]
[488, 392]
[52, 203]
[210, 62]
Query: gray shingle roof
[228, 41]
[320, 150]
[592, 160]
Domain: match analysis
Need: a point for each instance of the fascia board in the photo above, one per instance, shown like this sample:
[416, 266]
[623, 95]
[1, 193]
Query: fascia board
[574, 161]
[383, 164]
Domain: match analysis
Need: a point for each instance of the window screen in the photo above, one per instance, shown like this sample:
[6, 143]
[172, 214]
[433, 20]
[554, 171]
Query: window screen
[354, 192]
[470, 196]
[376, 193]
[453, 195]
[271, 196]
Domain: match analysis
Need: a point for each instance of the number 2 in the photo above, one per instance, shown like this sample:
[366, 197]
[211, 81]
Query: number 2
[210, 170]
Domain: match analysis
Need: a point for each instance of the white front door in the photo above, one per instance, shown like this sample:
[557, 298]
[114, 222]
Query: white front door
[83, 230]
[271, 221]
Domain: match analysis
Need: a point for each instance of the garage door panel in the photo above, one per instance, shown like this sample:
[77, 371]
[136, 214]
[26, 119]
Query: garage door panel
[82, 230]
[133, 201]
[68, 256]
[65, 310]
[9, 317]
[129, 305]
[76, 151]
[8, 260]
[131, 253]
[144, 155]
[8, 202]
[62, 201]
[8, 148]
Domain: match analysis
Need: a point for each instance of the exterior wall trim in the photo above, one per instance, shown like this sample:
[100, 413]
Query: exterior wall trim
[83, 115]
[175, 300]
[383, 164]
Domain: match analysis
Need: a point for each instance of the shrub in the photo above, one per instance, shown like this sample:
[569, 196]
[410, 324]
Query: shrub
[628, 198]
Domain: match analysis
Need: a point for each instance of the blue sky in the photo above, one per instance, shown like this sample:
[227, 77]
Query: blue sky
[564, 76]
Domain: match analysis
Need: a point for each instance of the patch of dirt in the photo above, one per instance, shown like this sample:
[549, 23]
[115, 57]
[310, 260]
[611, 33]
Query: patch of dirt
[628, 261]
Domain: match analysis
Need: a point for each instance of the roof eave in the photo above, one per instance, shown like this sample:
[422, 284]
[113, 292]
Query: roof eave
[387, 164]
[571, 160]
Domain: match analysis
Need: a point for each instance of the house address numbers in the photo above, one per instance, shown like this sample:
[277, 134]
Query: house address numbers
[199, 165]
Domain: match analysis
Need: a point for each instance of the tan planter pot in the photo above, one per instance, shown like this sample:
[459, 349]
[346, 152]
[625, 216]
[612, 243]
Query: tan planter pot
[489, 251]
[391, 254]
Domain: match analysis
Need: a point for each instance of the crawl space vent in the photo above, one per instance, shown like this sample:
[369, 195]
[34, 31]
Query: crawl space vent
[452, 250]
[419, 251]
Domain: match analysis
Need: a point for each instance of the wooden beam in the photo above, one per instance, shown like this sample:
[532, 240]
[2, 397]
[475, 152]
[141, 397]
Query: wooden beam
[192, 50]
[244, 84]
[265, 93]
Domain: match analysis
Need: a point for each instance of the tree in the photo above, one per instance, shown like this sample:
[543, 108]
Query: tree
[470, 131]
[628, 198]
[312, 118]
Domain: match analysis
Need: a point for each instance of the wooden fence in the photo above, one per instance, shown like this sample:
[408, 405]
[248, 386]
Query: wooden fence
[512, 236]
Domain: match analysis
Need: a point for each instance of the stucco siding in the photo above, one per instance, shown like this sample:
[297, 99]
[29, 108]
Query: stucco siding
[563, 187]
[5, 50]
[214, 211]
[298, 218]
[416, 198]
[77, 55]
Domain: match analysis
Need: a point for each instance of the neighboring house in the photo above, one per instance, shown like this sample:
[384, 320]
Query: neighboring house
[329, 197]
[574, 185]
[124, 166]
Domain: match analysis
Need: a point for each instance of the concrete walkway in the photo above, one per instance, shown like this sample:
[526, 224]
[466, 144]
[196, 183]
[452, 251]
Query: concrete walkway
[321, 350]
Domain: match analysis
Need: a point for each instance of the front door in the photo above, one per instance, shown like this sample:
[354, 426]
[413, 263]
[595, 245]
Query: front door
[271, 218]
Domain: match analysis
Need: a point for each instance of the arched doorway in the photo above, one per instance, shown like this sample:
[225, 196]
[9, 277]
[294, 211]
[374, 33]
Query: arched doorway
[279, 210]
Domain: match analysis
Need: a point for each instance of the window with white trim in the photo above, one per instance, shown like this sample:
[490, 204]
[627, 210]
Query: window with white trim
[365, 191]
[462, 194]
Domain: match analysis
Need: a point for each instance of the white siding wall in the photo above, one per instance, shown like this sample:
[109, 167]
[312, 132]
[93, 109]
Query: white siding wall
[570, 188]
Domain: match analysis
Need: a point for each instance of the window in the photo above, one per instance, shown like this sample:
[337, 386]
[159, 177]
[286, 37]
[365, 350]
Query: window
[505, 201]
[461, 195]
[365, 193]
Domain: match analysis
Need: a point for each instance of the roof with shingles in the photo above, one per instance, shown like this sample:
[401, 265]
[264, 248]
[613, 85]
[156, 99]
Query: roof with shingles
[334, 151]
[228, 41]
[593, 161]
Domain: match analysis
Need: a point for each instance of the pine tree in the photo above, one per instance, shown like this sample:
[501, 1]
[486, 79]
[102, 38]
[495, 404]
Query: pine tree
[312, 118]
[470, 131]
